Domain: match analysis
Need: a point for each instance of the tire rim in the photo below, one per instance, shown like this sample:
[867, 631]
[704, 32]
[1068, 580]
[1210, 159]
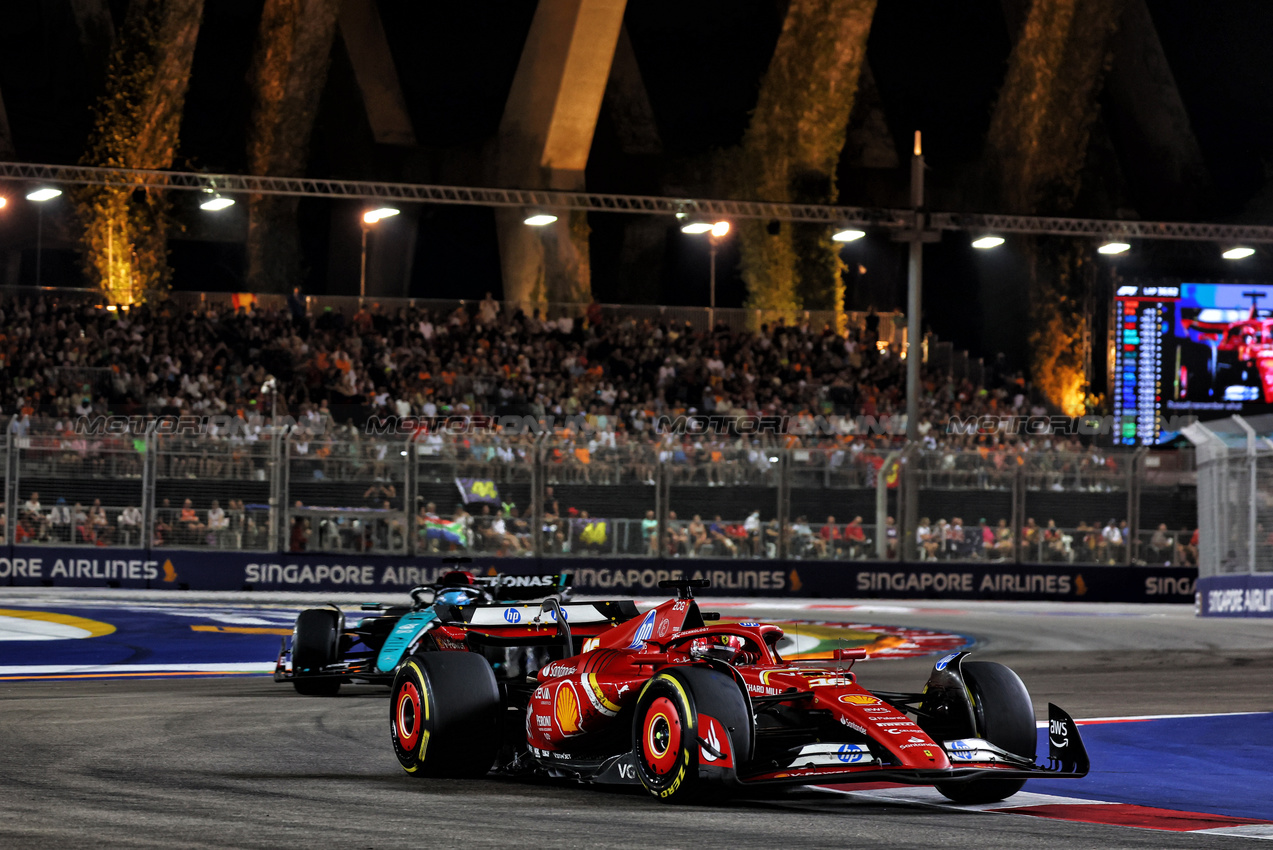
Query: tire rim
[661, 736]
[407, 716]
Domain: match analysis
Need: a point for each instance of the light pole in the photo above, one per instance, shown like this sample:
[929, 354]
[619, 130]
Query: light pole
[917, 235]
[40, 196]
[368, 219]
[715, 233]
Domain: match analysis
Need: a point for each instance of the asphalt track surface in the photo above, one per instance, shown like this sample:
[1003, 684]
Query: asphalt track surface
[243, 762]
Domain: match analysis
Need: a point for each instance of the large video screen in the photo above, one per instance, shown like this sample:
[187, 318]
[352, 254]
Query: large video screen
[1189, 349]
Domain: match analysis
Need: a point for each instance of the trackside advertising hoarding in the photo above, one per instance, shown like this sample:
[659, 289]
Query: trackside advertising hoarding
[181, 569]
[1246, 595]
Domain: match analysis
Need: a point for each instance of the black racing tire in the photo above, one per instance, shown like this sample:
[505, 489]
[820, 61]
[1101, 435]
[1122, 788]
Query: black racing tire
[1005, 718]
[665, 731]
[444, 715]
[314, 645]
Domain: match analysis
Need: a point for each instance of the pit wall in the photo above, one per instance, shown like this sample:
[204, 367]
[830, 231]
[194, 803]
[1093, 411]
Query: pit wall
[180, 569]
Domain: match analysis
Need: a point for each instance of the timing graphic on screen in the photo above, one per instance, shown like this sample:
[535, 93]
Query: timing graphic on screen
[1192, 349]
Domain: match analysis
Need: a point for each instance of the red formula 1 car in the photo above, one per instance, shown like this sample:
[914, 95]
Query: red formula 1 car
[1238, 365]
[685, 709]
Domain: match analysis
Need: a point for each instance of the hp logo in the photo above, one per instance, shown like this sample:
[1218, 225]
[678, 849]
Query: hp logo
[512, 615]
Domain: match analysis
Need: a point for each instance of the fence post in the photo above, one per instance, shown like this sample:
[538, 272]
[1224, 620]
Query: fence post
[11, 487]
[410, 492]
[881, 503]
[662, 496]
[1133, 504]
[1018, 513]
[1254, 490]
[537, 493]
[784, 500]
[149, 484]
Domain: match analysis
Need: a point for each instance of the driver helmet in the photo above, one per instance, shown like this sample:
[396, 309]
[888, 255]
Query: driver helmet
[722, 647]
[458, 580]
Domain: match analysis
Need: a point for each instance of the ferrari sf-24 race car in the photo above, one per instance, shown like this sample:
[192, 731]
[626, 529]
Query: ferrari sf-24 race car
[687, 709]
[326, 652]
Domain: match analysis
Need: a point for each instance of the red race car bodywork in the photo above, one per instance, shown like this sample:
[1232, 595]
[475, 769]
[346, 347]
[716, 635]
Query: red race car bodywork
[684, 707]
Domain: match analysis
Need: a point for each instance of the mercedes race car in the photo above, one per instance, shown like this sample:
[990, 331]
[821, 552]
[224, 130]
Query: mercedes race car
[326, 652]
[689, 708]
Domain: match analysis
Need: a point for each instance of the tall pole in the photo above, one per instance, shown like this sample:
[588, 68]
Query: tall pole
[914, 283]
[39, 241]
[914, 353]
[711, 312]
[362, 271]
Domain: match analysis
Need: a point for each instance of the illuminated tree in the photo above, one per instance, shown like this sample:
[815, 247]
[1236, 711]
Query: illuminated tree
[1036, 148]
[791, 150]
[289, 69]
[135, 125]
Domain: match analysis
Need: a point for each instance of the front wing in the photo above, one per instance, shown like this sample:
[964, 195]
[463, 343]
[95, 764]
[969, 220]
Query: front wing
[970, 759]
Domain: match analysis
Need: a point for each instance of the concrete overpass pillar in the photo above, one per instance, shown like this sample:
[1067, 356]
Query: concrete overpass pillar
[544, 139]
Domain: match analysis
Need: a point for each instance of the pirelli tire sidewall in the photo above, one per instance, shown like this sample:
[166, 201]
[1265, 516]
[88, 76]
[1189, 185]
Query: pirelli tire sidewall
[443, 715]
[665, 739]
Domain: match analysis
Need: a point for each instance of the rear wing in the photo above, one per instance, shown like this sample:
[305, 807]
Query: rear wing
[534, 586]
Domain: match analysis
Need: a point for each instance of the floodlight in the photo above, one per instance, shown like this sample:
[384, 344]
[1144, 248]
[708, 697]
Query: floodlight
[45, 194]
[540, 219]
[373, 216]
[987, 242]
[1238, 253]
[215, 203]
[847, 235]
[1114, 248]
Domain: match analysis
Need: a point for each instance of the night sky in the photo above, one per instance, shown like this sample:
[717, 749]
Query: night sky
[937, 64]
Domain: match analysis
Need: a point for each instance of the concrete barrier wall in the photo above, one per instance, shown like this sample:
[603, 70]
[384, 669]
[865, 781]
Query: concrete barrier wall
[1245, 595]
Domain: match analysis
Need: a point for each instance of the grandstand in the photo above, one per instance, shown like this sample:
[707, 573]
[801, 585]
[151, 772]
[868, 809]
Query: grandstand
[415, 428]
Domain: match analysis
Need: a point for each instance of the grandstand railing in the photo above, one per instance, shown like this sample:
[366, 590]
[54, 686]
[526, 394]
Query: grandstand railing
[557, 494]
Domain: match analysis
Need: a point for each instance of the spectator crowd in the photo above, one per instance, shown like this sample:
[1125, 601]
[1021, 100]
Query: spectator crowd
[332, 374]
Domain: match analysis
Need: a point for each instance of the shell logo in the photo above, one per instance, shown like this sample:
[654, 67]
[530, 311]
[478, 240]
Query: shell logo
[566, 709]
[859, 699]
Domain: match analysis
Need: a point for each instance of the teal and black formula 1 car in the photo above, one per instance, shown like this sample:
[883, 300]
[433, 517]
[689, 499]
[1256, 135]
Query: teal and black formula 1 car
[326, 652]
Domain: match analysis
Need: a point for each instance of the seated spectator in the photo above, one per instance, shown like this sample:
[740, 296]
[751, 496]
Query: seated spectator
[164, 522]
[649, 533]
[190, 529]
[936, 546]
[100, 524]
[1111, 543]
[752, 526]
[1160, 546]
[832, 538]
[956, 545]
[804, 543]
[696, 535]
[855, 539]
[1002, 544]
[1031, 535]
[129, 525]
[60, 521]
[218, 523]
[1055, 544]
[718, 535]
[83, 528]
[923, 537]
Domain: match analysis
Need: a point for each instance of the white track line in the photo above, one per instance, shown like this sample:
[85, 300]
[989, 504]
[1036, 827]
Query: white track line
[54, 669]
